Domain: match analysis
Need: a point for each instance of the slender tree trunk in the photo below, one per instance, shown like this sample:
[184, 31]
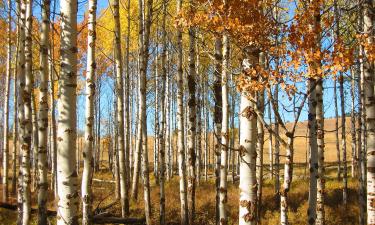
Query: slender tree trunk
[206, 123]
[361, 137]
[313, 156]
[277, 145]
[270, 146]
[180, 125]
[89, 139]
[191, 122]
[224, 133]
[168, 147]
[35, 139]
[67, 180]
[260, 144]
[247, 150]
[287, 180]
[368, 70]
[15, 114]
[21, 110]
[163, 100]
[120, 110]
[27, 136]
[144, 37]
[337, 131]
[6, 106]
[343, 140]
[218, 116]
[156, 118]
[128, 139]
[353, 126]
[320, 143]
[43, 116]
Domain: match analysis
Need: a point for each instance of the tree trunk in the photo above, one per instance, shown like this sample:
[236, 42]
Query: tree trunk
[337, 131]
[144, 38]
[277, 145]
[163, 100]
[89, 139]
[120, 110]
[224, 133]
[6, 106]
[218, 116]
[260, 144]
[67, 180]
[320, 142]
[15, 113]
[247, 150]
[191, 122]
[43, 116]
[127, 108]
[27, 136]
[313, 156]
[353, 126]
[21, 110]
[343, 140]
[368, 70]
[180, 125]
[270, 146]
[361, 140]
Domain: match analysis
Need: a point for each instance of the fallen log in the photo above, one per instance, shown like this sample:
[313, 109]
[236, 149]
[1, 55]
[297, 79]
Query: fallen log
[103, 181]
[9, 206]
[103, 218]
[118, 220]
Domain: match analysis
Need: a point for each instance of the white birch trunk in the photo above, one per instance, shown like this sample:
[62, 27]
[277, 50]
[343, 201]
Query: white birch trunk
[313, 157]
[224, 134]
[163, 100]
[43, 116]
[180, 126]
[120, 109]
[6, 106]
[218, 116]
[248, 185]
[368, 70]
[89, 114]
[191, 122]
[21, 110]
[67, 176]
[27, 136]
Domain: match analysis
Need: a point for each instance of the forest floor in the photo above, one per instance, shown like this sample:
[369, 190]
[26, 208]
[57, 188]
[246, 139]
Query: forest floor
[336, 212]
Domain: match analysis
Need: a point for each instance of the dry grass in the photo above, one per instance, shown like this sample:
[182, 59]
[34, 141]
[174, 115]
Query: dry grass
[336, 213]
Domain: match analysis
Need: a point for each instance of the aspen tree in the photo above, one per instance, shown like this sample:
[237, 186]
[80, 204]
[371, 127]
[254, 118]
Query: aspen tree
[337, 142]
[260, 142]
[27, 136]
[67, 176]
[21, 110]
[6, 105]
[191, 120]
[313, 156]
[217, 120]
[180, 125]
[368, 71]
[163, 97]
[224, 132]
[248, 139]
[87, 174]
[120, 109]
[144, 39]
[43, 115]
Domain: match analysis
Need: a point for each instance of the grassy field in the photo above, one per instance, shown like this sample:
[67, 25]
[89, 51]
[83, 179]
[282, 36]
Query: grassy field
[336, 213]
